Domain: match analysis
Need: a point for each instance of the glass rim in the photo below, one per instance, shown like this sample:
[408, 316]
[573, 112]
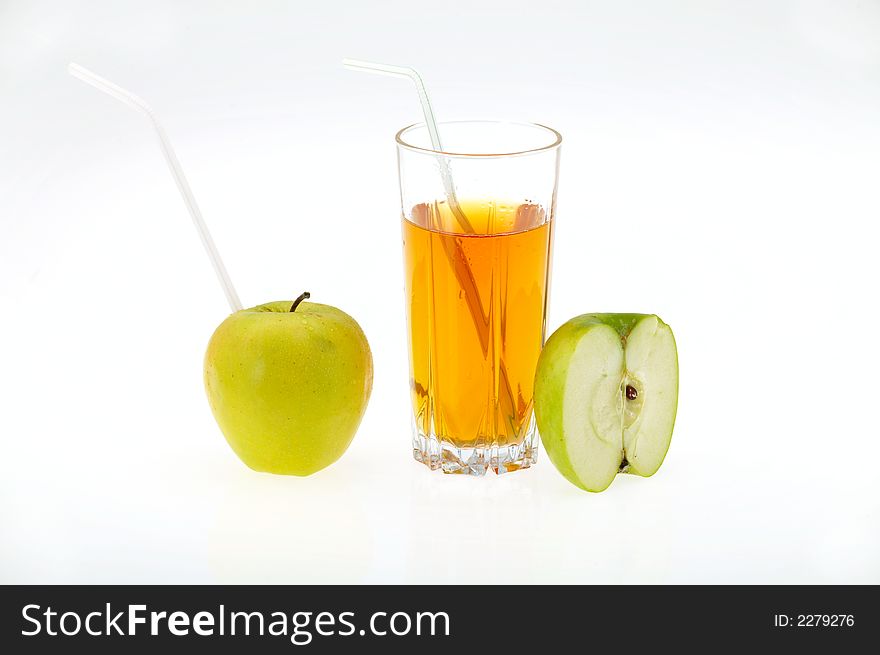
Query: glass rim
[557, 140]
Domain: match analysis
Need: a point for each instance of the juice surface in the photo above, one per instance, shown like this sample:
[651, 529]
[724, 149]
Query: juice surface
[476, 305]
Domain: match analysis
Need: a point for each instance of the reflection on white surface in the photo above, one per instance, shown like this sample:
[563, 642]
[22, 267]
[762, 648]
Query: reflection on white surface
[272, 530]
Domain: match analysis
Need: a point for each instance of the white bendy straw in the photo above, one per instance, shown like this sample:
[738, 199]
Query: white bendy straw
[430, 123]
[137, 103]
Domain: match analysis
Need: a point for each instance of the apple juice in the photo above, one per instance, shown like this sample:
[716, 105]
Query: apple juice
[476, 306]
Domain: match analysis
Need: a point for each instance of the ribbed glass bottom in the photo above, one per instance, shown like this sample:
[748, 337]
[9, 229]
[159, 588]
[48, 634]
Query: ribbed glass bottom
[436, 453]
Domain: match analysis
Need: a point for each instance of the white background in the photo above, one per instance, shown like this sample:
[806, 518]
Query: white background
[720, 168]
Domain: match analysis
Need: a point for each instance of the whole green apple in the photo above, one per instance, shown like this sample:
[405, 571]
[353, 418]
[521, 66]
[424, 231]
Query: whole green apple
[288, 383]
[606, 395]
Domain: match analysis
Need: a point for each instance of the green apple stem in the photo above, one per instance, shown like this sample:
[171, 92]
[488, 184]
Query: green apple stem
[303, 296]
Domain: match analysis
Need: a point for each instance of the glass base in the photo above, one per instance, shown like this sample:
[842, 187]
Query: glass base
[436, 453]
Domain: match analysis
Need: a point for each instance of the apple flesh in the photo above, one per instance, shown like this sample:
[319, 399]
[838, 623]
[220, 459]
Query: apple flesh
[289, 388]
[606, 394]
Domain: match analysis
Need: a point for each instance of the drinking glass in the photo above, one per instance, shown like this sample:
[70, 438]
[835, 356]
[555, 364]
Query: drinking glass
[478, 221]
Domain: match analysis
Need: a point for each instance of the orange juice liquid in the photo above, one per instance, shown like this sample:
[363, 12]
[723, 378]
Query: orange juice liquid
[476, 307]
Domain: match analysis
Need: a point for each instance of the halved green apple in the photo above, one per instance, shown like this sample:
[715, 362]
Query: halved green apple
[606, 394]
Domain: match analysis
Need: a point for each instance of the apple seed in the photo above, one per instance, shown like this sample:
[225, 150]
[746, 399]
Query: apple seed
[631, 393]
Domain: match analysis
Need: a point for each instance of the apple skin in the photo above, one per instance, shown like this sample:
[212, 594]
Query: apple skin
[288, 389]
